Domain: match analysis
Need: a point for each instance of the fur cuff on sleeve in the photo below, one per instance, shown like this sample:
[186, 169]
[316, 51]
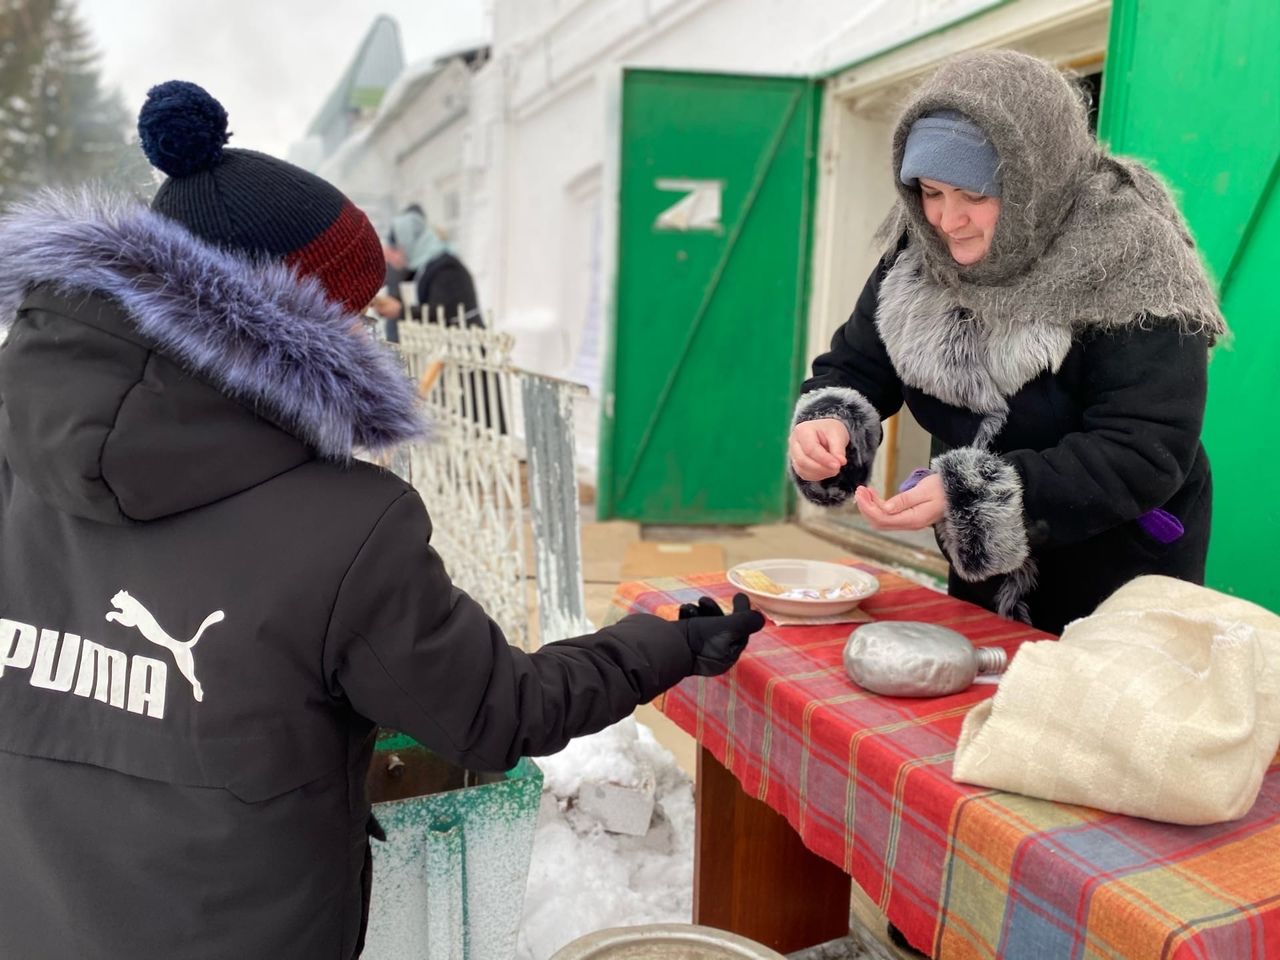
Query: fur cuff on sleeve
[863, 422]
[983, 531]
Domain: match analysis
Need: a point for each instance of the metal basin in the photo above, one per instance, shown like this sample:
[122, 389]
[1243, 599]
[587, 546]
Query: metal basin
[665, 941]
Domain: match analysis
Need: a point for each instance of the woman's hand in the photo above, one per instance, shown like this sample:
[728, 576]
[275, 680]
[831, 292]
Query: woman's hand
[919, 508]
[817, 448]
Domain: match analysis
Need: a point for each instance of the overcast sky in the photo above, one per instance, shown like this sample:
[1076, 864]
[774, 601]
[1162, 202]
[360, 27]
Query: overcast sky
[270, 62]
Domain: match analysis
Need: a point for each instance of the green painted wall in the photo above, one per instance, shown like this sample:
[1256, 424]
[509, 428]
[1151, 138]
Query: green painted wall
[709, 332]
[1193, 87]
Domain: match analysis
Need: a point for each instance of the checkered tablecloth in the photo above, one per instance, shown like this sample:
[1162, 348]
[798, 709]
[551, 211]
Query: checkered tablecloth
[964, 872]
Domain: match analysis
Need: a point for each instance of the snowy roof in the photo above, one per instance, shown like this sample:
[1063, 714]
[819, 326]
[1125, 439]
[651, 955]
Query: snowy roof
[419, 74]
[373, 70]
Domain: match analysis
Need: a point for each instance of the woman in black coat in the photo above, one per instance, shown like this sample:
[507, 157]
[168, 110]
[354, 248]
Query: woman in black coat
[1043, 314]
[444, 287]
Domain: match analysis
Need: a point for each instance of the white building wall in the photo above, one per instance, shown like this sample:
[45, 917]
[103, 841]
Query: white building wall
[412, 152]
[426, 144]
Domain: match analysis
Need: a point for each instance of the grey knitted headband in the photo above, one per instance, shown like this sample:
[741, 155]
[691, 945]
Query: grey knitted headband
[949, 147]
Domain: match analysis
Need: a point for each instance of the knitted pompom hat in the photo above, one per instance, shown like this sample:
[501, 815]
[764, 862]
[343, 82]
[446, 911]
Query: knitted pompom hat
[248, 202]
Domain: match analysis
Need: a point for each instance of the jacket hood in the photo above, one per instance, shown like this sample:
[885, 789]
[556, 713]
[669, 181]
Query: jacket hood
[211, 360]
[1037, 122]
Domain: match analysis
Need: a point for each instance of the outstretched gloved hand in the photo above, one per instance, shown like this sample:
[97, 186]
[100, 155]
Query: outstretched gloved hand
[717, 639]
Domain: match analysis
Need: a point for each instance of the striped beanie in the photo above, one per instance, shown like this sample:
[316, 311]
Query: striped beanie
[248, 202]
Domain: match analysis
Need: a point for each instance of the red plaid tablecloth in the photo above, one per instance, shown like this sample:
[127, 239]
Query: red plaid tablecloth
[964, 872]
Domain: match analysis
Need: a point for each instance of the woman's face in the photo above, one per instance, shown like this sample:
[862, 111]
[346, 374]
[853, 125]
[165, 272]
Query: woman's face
[966, 221]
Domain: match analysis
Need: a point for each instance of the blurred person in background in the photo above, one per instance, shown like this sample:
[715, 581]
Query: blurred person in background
[416, 254]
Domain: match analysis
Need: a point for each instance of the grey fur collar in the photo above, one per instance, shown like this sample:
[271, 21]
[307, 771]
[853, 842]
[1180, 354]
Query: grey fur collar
[254, 329]
[940, 345]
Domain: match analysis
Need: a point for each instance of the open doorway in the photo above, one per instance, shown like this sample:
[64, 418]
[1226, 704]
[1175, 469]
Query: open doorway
[860, 107]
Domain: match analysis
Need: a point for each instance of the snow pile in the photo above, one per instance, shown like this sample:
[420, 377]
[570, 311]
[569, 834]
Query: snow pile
[584, 879]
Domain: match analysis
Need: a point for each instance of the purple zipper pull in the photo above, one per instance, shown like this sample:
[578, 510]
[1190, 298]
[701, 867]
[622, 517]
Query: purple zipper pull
[1161, 526]
[915, 477]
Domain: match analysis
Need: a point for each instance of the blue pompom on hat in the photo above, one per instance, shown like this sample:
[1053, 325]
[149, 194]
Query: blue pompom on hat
[948, 147]
[250, 203]
[182, 128]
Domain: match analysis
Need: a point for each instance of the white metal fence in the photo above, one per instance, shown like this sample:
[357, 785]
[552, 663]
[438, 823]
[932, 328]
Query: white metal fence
[488, 417]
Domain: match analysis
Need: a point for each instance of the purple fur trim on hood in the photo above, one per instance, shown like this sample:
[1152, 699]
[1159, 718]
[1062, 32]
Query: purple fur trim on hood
[256, 330]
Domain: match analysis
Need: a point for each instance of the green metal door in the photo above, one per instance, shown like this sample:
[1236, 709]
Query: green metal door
[1194, 87]
[716, 184]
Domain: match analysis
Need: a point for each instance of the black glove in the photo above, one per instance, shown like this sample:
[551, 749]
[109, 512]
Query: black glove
[718, 640]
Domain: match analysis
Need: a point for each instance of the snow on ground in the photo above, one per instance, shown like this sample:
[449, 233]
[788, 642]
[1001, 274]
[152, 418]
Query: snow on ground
[584, 879]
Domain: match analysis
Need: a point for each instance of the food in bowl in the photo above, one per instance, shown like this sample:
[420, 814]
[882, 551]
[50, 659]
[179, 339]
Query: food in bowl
[762, 582]
[803, 588]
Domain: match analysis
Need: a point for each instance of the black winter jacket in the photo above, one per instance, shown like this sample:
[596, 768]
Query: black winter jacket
[445, 284]
[1085, 451]
[202, 618]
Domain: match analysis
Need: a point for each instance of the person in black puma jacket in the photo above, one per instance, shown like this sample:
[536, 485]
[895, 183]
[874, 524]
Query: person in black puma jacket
[1045, 317]
[205, 604]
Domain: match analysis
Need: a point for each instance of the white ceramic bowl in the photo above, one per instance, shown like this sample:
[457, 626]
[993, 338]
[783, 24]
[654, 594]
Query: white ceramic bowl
[813, 574]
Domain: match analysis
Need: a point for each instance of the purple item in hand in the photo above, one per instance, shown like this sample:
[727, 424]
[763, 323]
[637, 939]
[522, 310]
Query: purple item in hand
[916, 476]
[1161, 526]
